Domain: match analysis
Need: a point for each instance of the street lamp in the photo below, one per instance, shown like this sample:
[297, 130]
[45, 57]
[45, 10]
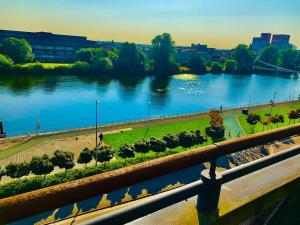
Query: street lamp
[273, 101]
[96, 122]
[148, 115]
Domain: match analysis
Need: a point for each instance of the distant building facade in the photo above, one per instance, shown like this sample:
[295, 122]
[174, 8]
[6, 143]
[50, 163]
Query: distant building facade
[48, 47]
[266, 39]
[183, 53]
[281, 41]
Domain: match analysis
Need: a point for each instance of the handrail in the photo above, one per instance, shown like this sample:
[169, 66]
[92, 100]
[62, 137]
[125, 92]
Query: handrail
[32, 203]
[138, 210]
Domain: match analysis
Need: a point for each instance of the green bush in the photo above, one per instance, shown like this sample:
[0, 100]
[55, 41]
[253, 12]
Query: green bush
[5, 62]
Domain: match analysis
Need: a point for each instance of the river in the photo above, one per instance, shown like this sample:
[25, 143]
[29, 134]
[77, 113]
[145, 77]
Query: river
[65, 102]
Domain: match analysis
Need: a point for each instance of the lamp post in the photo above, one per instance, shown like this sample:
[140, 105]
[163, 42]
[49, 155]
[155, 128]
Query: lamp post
[96, 123]
[273, 101]
[148, 115]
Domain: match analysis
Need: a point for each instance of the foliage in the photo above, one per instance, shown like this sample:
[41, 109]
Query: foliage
[171, 141]
[17, 170]
[216, 128]
[19, 50]
[265, 122]
[253, 119]
[163, 51]
[142, 147]
[270, 54]
[41, 165]
[62, 159]
[105, 154]
[80, 68]
[216, 68]
[196, 64]
[5, 62]
[244, 58]
[276, 119]
[2, 173]
[85, 156]
[85, 55]
[288, 59]
[294, 114]
[131, 60]
[186, 139]
[157, 145]
[102, 65]
[230, 66]
[126, 151]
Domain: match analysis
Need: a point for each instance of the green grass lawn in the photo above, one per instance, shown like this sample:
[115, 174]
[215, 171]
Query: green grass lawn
[158, 131]
[47, 65]
[259, 127]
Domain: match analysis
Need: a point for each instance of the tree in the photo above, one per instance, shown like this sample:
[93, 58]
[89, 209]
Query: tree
[171, 141]
[102, 65]
[41, 165]
[216, 127]
[5, 62]
[196, 64]
[288, 59]
[157, 145]
[141, 147]
[216, 68]
[186, 140]
[270, 54]
[63, 159]
[199, 138]
[244, 58]
[19, 50]
[253, 119]
[163, 51]
[126, 151]
[85, 55]
[276, 119]
[265, 122]
[2, 173]
[131, 60]
[293, 115]
[105, 154]
[85, 156]
[17, 170]
[230, 66]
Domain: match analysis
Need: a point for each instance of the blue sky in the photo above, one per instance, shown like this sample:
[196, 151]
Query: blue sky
[219, 23]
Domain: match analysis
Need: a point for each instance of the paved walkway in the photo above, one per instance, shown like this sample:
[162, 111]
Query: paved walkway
[232, 127]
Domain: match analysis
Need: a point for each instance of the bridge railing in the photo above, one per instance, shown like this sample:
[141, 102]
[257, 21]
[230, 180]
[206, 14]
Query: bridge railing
[43, 200]
[206, 190]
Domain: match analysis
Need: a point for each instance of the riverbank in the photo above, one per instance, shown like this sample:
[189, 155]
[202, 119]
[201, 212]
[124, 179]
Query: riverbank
[160, 125]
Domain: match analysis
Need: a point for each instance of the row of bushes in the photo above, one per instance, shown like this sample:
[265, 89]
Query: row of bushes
[65, 160]
[252, 119]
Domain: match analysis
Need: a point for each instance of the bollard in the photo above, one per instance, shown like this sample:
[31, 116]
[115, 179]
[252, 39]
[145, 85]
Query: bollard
[208, 198]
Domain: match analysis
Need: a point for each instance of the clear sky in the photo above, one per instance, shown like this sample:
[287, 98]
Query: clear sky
[218, 23]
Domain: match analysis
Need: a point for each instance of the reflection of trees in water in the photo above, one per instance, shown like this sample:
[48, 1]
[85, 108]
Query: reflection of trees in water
[159, 90]
[21, 84]
[128, 86]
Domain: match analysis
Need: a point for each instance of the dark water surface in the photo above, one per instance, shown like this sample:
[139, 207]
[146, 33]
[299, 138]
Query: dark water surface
[65, 102]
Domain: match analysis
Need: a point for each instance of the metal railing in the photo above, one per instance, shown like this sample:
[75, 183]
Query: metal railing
[138, 210]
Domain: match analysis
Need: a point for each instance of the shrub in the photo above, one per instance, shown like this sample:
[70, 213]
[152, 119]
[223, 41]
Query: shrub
[5, 62]
[157, 145]
[171, 141]
[186, 140]
[41, 165]
[126, 151]
[141, 147]
[64, 160]
[85, 156]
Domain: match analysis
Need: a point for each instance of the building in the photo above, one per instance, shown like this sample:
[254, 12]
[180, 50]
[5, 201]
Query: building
[266, 39]
[48, 47]
[281, 41]
[258, 43]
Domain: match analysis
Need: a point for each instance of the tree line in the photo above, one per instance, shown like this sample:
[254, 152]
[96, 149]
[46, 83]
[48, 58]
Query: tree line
[132, 60]
[43, 165]
[252, 119]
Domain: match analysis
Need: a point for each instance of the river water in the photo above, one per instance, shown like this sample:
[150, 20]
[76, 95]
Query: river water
[65, 102]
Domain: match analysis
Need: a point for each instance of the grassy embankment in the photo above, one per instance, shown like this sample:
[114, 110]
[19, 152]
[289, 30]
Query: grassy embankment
[283, 110]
